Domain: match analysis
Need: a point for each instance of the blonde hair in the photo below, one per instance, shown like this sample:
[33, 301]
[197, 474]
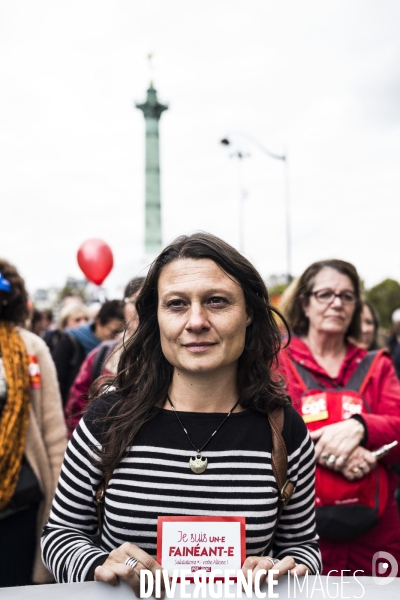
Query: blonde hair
[70, 310]
[287, 298]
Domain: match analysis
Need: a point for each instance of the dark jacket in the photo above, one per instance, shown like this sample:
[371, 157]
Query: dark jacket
[52, 337]
[68, 356]
[91, 368]
[394, 349]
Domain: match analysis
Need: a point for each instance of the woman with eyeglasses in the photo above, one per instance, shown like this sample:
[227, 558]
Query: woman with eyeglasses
[350, 401]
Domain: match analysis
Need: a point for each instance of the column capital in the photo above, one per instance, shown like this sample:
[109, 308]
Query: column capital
[152, 108]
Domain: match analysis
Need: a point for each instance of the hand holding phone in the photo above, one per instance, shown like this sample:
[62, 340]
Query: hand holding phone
[383, 450]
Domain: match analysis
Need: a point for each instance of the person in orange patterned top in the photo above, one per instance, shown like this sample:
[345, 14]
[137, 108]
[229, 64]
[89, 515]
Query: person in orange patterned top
[32, 436]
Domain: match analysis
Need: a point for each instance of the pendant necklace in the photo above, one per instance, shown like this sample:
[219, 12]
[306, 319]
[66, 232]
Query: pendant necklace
[199, 464]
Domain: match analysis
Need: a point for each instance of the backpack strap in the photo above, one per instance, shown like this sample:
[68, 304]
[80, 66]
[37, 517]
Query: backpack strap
[99, 500]
[357, 382]
[279, 466]
[367, 377]
[361, 372]
[100, 359]
[77, 355]
[294, 371]
[303, 375]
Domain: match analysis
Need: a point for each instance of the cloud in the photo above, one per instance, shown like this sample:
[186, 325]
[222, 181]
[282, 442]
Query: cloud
[318, 80]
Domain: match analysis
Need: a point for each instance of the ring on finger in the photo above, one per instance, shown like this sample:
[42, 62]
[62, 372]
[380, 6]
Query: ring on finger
[361, 466]
[355, 470]
[273, 561]
[131, 561]
[324, 455]
[331, 459]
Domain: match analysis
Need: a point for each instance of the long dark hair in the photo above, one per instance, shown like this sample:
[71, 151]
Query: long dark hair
[144, 375]
[294, 312]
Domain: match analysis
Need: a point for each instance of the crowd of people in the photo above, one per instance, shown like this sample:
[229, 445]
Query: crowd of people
[174, 398]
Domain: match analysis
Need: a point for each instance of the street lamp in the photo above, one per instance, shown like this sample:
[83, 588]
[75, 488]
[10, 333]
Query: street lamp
[284, 158]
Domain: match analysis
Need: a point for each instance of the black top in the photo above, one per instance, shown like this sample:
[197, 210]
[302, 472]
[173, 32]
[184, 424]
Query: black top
[68, 356]
[155, 479]
[394, 349]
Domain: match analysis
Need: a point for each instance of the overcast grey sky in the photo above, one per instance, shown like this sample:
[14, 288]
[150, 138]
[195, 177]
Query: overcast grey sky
[320, 80]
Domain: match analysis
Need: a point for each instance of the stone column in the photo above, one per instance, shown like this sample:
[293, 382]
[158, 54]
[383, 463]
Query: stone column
[152, 110]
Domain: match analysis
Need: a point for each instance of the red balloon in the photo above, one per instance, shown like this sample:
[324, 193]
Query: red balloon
[96, 260]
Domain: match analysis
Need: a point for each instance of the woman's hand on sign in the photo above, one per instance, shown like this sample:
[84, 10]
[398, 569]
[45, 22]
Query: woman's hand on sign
[299, 570]
[115, 567]
[266, 563]
[359, 464]
[335, 443]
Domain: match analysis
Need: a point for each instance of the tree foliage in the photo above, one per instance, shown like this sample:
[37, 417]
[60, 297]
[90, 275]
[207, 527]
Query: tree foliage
[385, 296]
[278, 289]
[275, 292]
[70, 289]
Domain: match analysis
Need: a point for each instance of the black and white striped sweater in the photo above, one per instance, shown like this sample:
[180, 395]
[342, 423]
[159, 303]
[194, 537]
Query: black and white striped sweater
[154, 479]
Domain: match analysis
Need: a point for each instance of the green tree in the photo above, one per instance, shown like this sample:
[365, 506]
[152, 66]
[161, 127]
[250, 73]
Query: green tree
[385, 296]
[277, 290]
[70, 289]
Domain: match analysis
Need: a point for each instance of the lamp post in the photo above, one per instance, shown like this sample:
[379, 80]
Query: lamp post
[284, 158]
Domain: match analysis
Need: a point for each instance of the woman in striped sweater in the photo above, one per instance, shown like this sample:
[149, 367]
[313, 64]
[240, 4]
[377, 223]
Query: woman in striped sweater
[185, 430]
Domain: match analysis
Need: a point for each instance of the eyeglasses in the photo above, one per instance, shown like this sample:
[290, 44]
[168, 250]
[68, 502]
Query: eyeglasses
[328, 296]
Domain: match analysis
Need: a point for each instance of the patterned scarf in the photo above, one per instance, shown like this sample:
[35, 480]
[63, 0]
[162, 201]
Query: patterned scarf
[15, 415]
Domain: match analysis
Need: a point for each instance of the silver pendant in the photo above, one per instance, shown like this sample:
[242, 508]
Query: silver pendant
[198, 464]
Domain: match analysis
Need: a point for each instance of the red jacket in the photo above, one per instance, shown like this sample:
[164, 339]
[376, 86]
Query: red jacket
[383, 426]
[382, 392]
[79, 393]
